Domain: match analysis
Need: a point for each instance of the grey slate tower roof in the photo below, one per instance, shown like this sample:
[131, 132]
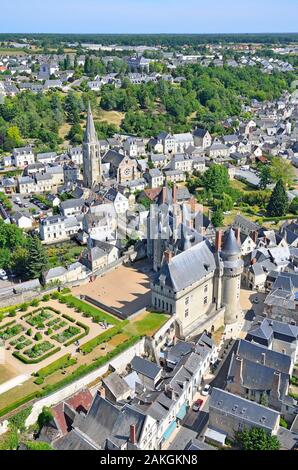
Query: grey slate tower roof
[90, 132]
[230, 246]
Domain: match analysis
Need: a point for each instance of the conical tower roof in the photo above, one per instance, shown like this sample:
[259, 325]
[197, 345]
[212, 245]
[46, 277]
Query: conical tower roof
[90, 132]
[230, 245]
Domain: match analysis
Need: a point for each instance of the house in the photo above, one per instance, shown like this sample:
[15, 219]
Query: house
[22, 156]
[99, 255]
[134, 147]
[53, 200]
[46, 158]
[101, 222]
[261, 374]
[158, 160]
[148, 372]
[58, 228]
[182, 163]
[218, 149]
[22, 220]
[116, 388]
[72, 273]
[119, 201]
[154, 178]
[76, 155]
[281, 302]
[167, 142]
[109, 427]
[71, 172]
[202, 138]
[183, 141]
[229, 414]
[72, 207]
[278, 336]
[174, 176]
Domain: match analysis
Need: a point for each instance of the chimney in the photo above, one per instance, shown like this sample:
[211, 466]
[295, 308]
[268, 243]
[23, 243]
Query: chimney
[254, 236]
[263, 358]
[253, 261]
[237, 233]
[218, 240]
[174, 193]
[133, 434]
[238, 370]
[164, 195]
[168, 255]
[276, 385]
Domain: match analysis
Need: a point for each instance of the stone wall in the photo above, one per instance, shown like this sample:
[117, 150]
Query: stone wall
[119, 363]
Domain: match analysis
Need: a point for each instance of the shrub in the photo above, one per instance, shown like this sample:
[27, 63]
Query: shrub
[20, 402]
[35, 360]
[29, 332]
[46, 298]
[38, 336]
[13, 313]
[34, 303]
[67, 317]
[283, 423]
[24, 307]
[38, 445]
[45, 417]
[49, 331]
[39, 380]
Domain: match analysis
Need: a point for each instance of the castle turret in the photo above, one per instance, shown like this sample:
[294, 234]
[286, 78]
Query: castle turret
[233, 268]
[91, 154]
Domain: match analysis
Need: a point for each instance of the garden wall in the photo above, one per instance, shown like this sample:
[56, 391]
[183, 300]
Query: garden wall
[119, 363]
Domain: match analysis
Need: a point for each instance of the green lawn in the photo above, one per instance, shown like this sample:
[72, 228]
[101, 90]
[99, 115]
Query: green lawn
[147, 325]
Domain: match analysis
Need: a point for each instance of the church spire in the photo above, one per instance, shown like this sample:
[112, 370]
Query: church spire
[90, 132]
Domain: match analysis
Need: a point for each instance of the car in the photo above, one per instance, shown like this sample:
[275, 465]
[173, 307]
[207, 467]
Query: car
[197, 405]
[206, 390]
[256, 300]
[3, 275]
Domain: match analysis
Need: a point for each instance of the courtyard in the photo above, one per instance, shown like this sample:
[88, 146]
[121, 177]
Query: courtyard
[125, 288]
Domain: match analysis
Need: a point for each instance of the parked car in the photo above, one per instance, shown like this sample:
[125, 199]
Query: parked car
[197, 405]
[3, 275]
[206, 390]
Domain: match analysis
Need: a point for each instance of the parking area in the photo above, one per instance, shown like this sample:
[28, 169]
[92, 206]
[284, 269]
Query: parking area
[28, 204]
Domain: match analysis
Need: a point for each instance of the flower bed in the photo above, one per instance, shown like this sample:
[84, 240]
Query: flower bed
[38, 349]
[66, 334]
[10, 332]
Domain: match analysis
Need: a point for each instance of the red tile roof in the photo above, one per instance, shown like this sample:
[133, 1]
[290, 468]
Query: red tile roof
[80, 402]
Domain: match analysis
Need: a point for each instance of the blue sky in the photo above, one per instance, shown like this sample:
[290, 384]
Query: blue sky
[148, 16]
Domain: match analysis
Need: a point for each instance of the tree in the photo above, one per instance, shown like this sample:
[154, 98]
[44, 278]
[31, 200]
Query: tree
[37, 258]
[256, 439]
[217, 217]
[265, 177]
[216, 178]
[278, 204]
[294, 206]
[282, 169]
[44, 417]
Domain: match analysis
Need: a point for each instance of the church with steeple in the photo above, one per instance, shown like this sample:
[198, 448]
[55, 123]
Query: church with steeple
[92, 174]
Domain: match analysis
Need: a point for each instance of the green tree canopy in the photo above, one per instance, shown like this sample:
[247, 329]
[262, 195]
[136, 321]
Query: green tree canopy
[282, 169]
[256, 439]
[278, 204]
[216, 178]
[37, 258]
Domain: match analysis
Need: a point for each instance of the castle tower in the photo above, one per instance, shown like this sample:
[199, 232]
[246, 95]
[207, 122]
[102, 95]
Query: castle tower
[91, 154]
[231, 281]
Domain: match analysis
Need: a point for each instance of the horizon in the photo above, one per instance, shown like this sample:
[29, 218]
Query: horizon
[149, 17]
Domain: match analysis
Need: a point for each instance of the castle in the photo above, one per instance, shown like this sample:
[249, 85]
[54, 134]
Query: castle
[195, 281]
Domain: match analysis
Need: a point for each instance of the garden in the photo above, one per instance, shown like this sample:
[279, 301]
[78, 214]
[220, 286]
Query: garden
[36, 335]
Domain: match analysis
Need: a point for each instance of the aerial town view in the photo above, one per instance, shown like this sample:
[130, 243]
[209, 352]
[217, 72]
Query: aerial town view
[148, 227]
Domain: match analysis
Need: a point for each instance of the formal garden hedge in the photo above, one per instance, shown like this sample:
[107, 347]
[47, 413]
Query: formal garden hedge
[87, 310]
[25, 360]
[61, 363]
[103, 337]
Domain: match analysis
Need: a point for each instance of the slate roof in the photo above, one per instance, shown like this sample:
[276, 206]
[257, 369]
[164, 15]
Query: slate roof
[116, 385]
[249, 411]
[230, 244]
[188, 267]
[255, 353]
[144, 367]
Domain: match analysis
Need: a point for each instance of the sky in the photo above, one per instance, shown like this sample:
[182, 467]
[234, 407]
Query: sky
[148, 16]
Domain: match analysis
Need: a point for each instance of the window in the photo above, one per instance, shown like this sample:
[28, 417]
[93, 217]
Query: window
[206, 288]
[187, 301]
[205, 300]
[186, 313]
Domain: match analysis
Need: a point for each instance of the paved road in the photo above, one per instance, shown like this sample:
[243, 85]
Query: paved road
[219, 380]
[192, 427]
